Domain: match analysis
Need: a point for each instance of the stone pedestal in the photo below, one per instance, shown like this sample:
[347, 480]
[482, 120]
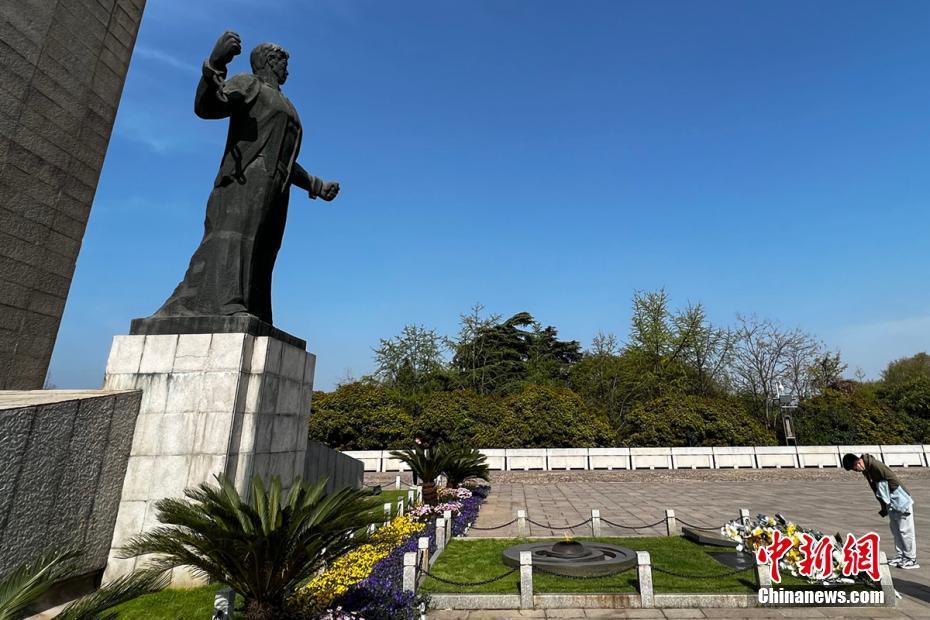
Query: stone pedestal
[230, 403]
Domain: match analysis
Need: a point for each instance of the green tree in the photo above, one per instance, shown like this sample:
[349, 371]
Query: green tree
[361, 416]
[457, 417]
[413, 361]
[688, 420]
[606, 379]
[826, 372]
[853, 415]
[545, 416]
[473, 354]
[906, 385]
[501, 356]
[708, 352]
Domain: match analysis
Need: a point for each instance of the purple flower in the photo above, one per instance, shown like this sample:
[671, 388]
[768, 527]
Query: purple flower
[380, 596]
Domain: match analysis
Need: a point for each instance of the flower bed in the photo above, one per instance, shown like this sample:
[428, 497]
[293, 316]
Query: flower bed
[368, 582]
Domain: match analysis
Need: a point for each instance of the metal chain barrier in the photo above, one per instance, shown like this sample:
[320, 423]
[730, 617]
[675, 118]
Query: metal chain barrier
[467, 583]
[633, 527]
[693, 576]
[698, 527]
[537, 569]
[559, 527]
[488, 529]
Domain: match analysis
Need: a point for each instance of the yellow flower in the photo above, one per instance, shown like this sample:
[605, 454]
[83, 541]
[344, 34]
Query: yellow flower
[356, 565]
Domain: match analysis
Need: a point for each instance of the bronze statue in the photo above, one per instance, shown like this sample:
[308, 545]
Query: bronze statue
[230, 272]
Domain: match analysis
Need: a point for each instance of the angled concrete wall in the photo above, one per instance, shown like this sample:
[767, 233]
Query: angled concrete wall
[63, 457]
[340, 469]
[63, 64]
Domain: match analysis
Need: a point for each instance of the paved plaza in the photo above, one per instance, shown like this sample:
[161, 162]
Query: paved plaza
[828, 500]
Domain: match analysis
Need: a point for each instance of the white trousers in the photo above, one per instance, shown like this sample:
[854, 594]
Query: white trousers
[902, 528]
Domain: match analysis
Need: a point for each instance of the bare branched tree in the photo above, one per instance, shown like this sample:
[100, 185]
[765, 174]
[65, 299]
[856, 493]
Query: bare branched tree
[604, 344]
[765, 354]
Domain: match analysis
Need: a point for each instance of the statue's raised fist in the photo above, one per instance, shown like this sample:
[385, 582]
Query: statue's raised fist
[227, 47]
[329, 191]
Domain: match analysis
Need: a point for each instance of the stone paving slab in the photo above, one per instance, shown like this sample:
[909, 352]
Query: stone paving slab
[828, 500]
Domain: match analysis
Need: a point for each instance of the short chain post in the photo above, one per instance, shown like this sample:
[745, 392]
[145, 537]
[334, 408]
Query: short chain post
[224, 604]
[764, 574]
[440, 534]
[423, 552]
[411, 497]
[671, 523]
[447, 515]
[644, 570]
[595, 522]
[400, 506]
[526, 580]
[410, 572]
[744, 516]
[387, 512]
[522, 529]
[397, 482]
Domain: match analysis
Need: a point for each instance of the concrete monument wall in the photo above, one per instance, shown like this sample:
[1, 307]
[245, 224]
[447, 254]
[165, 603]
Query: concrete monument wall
[63, 64]
[63, 456]
[341, 470]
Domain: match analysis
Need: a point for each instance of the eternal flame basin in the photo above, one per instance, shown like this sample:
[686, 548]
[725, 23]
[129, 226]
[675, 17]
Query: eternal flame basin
[573, 558]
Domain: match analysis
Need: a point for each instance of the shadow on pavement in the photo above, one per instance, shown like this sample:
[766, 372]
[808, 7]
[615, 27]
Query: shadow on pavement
[919, 591]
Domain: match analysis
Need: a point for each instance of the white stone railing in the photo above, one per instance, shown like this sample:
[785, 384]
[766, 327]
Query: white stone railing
[731, 457]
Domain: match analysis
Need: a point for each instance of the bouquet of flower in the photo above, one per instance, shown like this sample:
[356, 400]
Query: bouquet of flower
[760, 533]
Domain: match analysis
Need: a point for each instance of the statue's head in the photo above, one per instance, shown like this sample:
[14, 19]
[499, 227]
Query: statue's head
[270, 60]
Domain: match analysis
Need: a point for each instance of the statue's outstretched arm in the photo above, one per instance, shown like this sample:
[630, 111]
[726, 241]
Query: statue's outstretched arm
[316, 187]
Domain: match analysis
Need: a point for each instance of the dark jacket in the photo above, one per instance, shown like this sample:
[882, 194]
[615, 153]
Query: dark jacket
[875, 471]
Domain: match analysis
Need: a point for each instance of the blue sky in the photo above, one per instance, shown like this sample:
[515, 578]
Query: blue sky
[767, 157]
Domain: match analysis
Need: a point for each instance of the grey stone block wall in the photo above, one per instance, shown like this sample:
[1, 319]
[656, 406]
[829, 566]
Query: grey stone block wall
[341, 470]
[229, 403]
[63, 458]
[63, 64]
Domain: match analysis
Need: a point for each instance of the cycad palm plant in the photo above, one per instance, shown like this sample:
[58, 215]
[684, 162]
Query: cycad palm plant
[428, 464]
[265, 547]
[22, 587]
[464, 463]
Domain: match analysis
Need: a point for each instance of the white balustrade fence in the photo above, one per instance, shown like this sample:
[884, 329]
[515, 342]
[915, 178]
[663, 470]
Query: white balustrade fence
[730, 457]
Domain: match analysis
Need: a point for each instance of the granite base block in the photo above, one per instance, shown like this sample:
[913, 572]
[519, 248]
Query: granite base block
[227, 403]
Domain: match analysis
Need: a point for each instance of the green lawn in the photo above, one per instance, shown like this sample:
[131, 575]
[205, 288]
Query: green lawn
[391, 495]
[477, 559]
[171, 605]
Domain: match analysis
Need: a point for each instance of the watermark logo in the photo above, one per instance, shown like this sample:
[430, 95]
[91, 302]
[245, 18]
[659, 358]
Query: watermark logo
[830, 598]
[859, 555]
